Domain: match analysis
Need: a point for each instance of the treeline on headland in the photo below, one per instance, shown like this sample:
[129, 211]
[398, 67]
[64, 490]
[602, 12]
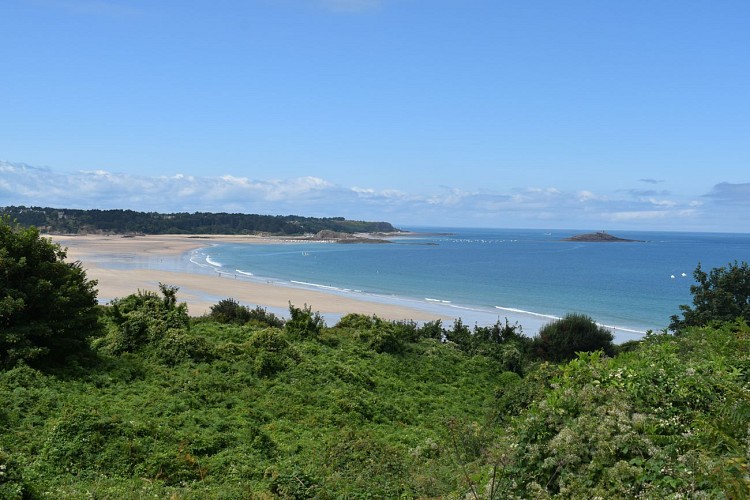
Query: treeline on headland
[117, 221]
[137, 399]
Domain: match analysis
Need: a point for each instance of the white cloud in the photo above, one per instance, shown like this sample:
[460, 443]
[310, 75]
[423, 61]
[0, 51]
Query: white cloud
[732, 194]
[662, 203]
[584, 196]
[547, 207]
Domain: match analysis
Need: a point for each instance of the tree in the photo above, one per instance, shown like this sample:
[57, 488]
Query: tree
[47, 306]
[561, 339]
[722, 294]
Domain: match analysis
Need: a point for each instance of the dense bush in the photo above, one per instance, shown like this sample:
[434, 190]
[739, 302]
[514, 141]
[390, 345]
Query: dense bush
[231, 411]
[380, 335]
[271, 352]
[47, 306]
[231, 311]
[144, 318]
[561, 339]
[666, 420]
[303, 323]
[723, 294]
[11, 481]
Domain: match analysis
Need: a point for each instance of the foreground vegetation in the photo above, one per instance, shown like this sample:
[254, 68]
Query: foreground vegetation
[149, 402]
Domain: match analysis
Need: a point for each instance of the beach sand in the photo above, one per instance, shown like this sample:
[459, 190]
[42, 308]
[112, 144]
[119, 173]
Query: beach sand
[98, 254]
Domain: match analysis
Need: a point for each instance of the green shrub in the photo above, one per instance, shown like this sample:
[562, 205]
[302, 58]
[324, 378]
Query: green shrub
[271, 352]
[85, 439]
[12, 486]
[177, 346]
[356, 321]
[294, 482]
[668, 420]
[143, 318]
[230, 311]
[303, 323]
[561, 339]
[380, 335]
[432, 330]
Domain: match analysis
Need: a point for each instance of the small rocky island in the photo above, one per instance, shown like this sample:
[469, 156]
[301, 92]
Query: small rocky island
[600, 236]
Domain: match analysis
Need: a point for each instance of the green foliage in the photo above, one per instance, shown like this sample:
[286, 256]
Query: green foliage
[145, 318]
[12, 485]
[561, 339]
[176, 346]
[303, 323]
[668, 419]
[514, 394]
[722, 294]
[237, 411]
[379, 335]
[231, 311]
[47, 306]
[271, 352]
[180, 408]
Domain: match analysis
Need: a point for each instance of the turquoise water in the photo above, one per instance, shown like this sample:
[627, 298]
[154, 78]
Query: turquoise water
[483, 274]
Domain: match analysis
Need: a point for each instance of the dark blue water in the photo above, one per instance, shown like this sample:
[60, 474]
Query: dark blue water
[629, 285]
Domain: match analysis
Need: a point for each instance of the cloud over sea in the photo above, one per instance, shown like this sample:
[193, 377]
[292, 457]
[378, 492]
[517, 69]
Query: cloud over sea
[525, 206]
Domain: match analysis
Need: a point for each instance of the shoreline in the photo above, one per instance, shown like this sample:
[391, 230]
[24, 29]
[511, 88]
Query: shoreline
[100, 255]
[125, 265]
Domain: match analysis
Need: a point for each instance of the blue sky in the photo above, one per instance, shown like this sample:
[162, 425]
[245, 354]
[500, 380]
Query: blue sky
[576, 114]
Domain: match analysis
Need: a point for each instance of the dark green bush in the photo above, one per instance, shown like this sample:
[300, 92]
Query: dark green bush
[230, 311]
[271, 352]
[561, 339]
[356, 321]
[177, 346]
[380, 335]
[303, 323]
[48, 307]
[432, 330]
[143, 318]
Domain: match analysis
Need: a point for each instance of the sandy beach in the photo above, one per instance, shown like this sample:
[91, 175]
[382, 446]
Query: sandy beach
[100, 255]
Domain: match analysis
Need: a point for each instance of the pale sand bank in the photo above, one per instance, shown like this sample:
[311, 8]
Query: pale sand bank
[201, 291]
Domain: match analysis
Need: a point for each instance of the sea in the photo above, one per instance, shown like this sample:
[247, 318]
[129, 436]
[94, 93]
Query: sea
[528, 276]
